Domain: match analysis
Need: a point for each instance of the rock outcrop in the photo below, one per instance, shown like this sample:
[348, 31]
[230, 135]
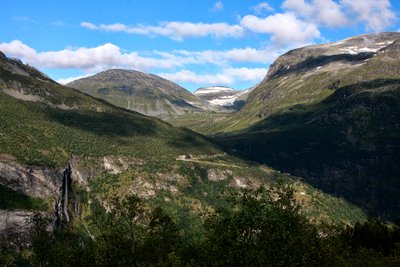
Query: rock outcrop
[33, 181]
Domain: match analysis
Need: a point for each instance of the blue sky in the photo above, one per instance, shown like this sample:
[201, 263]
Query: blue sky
[192, 43]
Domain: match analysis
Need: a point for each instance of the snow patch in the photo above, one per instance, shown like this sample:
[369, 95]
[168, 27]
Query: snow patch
[223, 101]
[374, 49]
[213, 89]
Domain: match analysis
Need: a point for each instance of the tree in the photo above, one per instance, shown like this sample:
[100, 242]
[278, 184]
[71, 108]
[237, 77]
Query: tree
[42, 248]
[162, 238]
[262, 227]
[119, 231]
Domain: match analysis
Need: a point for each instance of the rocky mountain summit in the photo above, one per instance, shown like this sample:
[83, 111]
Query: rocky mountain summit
[145, 93]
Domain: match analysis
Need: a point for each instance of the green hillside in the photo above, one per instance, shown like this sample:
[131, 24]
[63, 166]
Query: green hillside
[328, 113]
[38, 133]
[115, 151]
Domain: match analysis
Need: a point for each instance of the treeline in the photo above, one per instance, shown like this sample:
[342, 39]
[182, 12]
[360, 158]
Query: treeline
[263, 227]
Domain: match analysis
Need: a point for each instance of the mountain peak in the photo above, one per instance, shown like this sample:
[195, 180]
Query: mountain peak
[145, 93]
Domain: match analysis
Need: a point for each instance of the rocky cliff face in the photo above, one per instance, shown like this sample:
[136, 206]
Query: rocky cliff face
[43, 182]
[51, 184]
[33, 181]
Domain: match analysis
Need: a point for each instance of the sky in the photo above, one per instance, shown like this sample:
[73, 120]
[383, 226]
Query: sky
[192, 43]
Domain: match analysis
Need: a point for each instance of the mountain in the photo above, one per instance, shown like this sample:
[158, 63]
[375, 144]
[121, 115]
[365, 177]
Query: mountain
[145, 93]
[223, 98]
[46, 126]
[68, 154]
[329, 113]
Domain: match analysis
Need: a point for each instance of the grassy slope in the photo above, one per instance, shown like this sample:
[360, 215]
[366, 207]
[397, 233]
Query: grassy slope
[38, 134]
[344, 139]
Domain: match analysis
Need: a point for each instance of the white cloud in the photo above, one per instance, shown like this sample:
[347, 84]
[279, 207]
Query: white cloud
[192, 77]
[286, 29]
[109, 56]
[329, 13]
[325, 12]
[117, 27]
[228, 76]
[218, 6]
[222, 58]
[246, 74]
[299, 7]
[375, 14]
[89, 25]
[18, 49]
[261, 7]
[252, 55]
[175, 30]
[71, 79]
[88, 59]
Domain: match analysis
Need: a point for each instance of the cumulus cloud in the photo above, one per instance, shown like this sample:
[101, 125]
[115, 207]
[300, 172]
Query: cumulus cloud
[228, 76]
[298, 25]
[71, 79]
[261, 7]
[175, 30]
[286, 29]
[325, 12]
[88, 59]
[109, 56]
[375, 14]
[18, 49]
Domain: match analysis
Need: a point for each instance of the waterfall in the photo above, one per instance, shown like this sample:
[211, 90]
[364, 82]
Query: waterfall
[67, 177]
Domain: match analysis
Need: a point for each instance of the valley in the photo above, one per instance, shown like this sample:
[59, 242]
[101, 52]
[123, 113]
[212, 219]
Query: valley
[316, 142]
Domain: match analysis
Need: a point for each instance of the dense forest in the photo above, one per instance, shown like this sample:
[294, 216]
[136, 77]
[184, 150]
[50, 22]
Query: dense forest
[253, 227]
